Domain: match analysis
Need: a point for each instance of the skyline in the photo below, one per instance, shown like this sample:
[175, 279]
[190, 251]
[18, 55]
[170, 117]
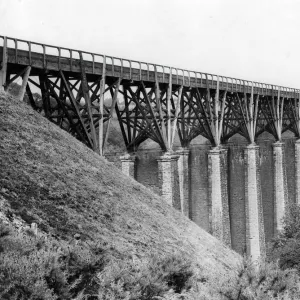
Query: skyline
[242, 45]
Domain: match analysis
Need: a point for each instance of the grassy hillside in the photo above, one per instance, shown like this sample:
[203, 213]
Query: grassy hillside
[49, 178]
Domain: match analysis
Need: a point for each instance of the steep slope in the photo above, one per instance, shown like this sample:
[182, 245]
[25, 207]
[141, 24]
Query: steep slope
[50, 178]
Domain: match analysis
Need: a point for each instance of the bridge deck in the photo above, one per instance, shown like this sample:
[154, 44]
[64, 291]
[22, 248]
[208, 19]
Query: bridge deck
[129, 69]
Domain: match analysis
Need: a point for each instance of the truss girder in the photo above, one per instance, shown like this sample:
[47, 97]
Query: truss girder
[86, 105]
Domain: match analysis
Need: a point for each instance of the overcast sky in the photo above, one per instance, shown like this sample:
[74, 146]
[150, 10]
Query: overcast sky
[255, 40]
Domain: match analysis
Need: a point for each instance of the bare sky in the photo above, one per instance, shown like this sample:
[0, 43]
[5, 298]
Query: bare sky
[255, 40]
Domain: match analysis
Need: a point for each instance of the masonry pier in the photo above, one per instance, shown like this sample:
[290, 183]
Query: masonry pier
[128, 164]
[184, 180]
[218, 195]
[175, 182]
[280, 186]
[255, 238]
[165, 182]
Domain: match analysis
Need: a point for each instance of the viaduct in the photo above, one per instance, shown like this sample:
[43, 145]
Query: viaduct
[238, 191]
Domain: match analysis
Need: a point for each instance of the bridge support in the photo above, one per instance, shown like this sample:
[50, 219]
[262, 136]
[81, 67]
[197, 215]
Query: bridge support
[175, 182]
[184, 180]
[255, 238]
[24, 83]
[218, 195]
[128, 164]
[280, 186]
[165, 177]
[297, 170]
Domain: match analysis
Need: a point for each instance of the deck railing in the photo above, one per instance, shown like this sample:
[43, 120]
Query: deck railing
[227, 83]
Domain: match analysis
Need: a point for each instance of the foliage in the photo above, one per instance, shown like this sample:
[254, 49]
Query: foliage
[286, 247]
[34, 267]
[145, 279]
[265, 281]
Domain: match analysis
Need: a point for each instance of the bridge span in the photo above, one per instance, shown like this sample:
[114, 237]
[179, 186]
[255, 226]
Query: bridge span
[160, 103]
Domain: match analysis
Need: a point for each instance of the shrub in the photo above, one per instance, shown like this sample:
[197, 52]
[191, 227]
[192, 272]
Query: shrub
[286, 247]
[261, 281]
[148, 278]
[34, 267]
[39, 268]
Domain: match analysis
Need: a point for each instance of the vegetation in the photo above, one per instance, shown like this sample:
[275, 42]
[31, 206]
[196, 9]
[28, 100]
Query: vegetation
[278, 276]
[286, 247]
[36, 267]
[261, 281]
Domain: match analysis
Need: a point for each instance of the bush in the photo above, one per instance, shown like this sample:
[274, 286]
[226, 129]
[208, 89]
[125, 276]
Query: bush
[264, 281]
[148, 278]
[34, 267]
[286, 247]
[40, 268]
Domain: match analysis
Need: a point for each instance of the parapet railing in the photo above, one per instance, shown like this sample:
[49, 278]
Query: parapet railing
[228, 83]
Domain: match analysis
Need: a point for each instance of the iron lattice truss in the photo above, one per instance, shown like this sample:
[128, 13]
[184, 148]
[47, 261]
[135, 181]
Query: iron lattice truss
[158, 111]
[151, 108]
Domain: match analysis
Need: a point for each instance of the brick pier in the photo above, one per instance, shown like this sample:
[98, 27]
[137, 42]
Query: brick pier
[184, 180]
[280, 186]
[255, 237]
[218, 195]
[165, 182]
[128, 164]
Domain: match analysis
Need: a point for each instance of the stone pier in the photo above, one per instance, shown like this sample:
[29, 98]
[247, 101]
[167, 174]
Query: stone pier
[165, 177]
[184, 180]
[175, 182]
[128, 164]
[297, 171]
[255, 237]
[218, 195]
[280, 186]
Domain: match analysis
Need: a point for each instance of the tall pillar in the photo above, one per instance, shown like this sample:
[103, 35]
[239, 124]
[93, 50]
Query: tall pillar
[218, 195]
[297, 171]
[184, 180]
[255, 237]
[128, 164]
[165, 177]
[175, 182]
[280, 186]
